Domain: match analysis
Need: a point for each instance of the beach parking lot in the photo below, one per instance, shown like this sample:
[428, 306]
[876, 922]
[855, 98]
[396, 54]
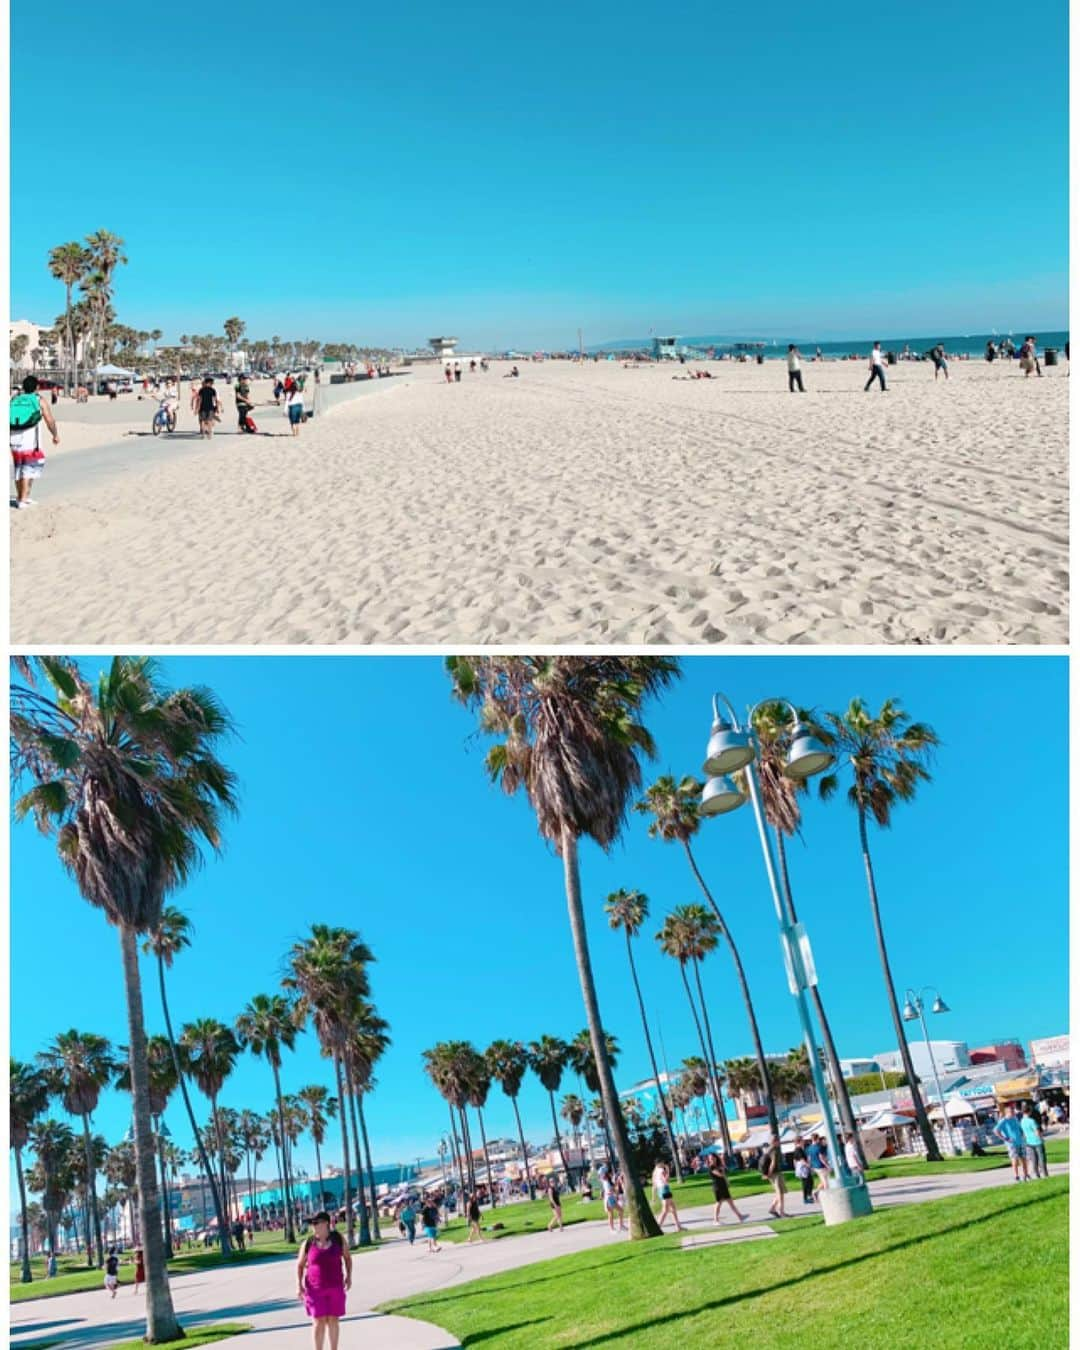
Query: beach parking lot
[576, 503]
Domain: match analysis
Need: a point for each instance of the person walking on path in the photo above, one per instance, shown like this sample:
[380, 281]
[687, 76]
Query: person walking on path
[323, 1275]
[772, 1169]
[804, 1172]
[429, 1217]
[877, 368]
[611, 1199]
[720, 1188]
[555, 1201]
[817, 1157]
[794, 369]
[1008, 1130]
[851, 1157]
[294, 407]
[1033, 1143]
[661, 1180]
[112, 1271]
[27, 412]
[407, 1216]
[941, 365]
[205, 405]
[140, 1269]
[472, 1213]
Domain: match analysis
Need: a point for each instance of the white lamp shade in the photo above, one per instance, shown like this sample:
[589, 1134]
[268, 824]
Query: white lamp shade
[807, 756]
[721, 795]
[729, 750]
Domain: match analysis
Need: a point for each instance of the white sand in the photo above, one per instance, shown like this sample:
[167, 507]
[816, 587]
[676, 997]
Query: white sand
[590, 504]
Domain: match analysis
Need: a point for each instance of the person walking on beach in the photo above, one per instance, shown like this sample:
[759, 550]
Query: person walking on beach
[1029, 360]
[429, 1217]
[205, 405]
[294, 407]
[772, 1169]
[661, 1180]
[941, 366]
[449, 373]
[244, 404]
[555, 1201]
[1009, 1131]
[794, 369]
[877, 368]
[720, 1188]
[112, 1271]
[457, 372]
[323, 1276]
[25, 417]
[1034, 1146]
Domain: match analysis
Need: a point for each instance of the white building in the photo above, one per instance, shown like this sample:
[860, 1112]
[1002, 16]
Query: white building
[855, 1068]
[948, 1056]
[1050, 1052]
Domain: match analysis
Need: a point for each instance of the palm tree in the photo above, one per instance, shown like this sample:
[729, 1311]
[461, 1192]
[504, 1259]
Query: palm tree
[163, 1078]
[743, 1079]
[234, 331]
[83, 1066]
[628, 910]
[572, 1110]
[29, 1096]
[319, 1107]
[328, 973]
[105, 257]
[689, 934]
[69, 263]
[548, 1058]
[254, 1138]
[208, 1054]
[367, 1043]
[507, 1062]
[264, 1027]
[127, 778]
[451, 1065]
[479, 1087]
[581, 1059]
[120, 1168]
[780, 803]
[571, 738]
[887, 754]
[51, 1142]
[675, 809]
[168, 937]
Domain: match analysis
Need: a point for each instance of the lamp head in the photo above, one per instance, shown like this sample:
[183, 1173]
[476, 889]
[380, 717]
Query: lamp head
[721, 795]
[909, 1013]
[806, 756]
[729, 750]
[939, 1005]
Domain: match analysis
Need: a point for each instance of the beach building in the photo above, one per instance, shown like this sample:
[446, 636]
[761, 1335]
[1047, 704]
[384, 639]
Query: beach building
[1010, 1053]
[947, 1055]
[1050, 1052]
[666, 349]
[855, 1068]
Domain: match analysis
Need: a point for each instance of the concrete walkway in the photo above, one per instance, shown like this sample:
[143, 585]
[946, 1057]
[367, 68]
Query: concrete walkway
[264, 1293]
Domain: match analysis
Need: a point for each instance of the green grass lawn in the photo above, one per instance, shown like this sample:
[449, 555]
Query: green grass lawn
[988, 1268]
[533, 1216]
[200, 1335]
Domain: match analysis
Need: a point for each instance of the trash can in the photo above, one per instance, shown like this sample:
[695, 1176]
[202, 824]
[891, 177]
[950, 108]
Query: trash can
[1050, 356]
[890, 357]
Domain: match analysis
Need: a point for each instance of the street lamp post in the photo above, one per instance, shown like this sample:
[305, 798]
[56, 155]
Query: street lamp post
[914, 1009]
[733, 747]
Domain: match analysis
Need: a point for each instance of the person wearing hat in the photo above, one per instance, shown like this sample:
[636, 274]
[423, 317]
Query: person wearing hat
[323, 1275]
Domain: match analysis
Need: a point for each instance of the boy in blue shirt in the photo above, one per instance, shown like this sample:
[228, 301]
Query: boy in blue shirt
[1009, 1132]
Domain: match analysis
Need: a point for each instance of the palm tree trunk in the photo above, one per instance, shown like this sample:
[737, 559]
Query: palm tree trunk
[290, 1227]
[166, 1207]
[161, 1323]
[454, 1142]
[91, 1200]
[933, 1153]
[344, 1151]
[843, 1100]
[487, 1160]
[318, 1169]
[713, 1089]
[223, 1235]
[712, 1059]
[759, 1052]
[26, 1275]
[652, 1058]
[221, 1178]
[376, 1232]
[466, 1139]
[524, 1150]
[365, 1224]
[558, 1136]
[642, 1220]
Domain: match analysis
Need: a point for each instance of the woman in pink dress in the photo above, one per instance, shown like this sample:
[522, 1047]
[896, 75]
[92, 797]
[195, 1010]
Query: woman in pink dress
[323, 1274]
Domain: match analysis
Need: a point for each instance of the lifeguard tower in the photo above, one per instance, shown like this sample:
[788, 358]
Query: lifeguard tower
[445, 348]
[665, 348]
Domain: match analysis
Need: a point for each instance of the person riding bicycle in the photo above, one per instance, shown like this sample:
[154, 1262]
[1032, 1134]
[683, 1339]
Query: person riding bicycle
[169, 404]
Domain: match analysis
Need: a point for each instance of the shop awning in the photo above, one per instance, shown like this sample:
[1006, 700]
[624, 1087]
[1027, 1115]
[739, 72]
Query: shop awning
[1014, 1088]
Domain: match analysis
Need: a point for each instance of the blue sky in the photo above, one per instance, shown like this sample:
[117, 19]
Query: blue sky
[364, 802]
[512, 173]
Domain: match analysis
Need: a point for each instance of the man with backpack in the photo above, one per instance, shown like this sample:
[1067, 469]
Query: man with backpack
[25, 418]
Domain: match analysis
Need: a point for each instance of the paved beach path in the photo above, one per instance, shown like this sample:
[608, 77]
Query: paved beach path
[264, 1293]
[575, 504]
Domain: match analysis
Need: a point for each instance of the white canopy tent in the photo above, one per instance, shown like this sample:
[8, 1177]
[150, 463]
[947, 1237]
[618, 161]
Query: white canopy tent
[109, 369]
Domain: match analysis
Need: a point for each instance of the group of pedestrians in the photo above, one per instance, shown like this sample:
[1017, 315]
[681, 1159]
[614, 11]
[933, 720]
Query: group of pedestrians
[1021, 1133]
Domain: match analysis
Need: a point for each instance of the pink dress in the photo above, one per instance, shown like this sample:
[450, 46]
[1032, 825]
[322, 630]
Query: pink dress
[324, 1281]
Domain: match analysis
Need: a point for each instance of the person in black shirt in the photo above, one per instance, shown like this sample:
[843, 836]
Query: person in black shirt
[206, 407]
[429, 1217]
[112, 1271]
[472, 1213]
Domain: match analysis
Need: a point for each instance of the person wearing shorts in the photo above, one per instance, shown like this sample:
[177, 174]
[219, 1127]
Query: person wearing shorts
[1012, 1136]
[206, 407]
[720, 1189]
[429, 1217]
[941, 366]
[772, 1169]
[27, 454]
[294, 408]
[611, 1201]
[112, 1271]
[555, 1201]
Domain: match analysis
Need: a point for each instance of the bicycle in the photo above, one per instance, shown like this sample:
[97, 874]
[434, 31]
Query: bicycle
[164, 419]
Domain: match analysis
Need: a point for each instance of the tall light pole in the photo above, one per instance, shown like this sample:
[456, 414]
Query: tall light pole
[734, 747]
[915, 1010]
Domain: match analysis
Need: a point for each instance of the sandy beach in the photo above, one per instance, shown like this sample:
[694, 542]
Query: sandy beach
[589, 504]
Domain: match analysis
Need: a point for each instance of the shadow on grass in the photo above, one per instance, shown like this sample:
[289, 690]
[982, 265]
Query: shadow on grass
[136, 1326]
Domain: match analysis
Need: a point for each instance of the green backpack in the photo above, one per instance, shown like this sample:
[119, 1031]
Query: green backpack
[25, 412]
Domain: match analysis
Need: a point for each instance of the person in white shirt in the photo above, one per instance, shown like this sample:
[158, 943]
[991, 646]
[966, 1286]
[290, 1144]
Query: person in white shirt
[794, 369]
[294, 408]
[877, 368]
[851, 1157]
